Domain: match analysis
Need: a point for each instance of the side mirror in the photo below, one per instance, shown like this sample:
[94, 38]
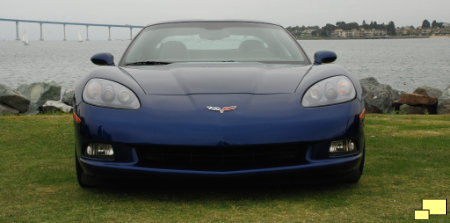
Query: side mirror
[321, 57]
[103, 59]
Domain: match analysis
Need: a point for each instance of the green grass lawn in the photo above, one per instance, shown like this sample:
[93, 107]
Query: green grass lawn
[407, 160]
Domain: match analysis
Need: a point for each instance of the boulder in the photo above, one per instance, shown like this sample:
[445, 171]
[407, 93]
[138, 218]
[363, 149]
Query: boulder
[39, 93]
[378, 98]
[428, 91]
[67, 97]
[13, 99]
[416, 99]
[444, 102]
[4, 110]
[409, 109]
[52, 106]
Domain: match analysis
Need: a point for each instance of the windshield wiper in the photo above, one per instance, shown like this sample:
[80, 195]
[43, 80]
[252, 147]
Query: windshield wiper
[148, 63]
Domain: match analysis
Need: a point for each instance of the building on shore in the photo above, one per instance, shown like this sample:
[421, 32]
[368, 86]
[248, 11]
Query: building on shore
[358, 33]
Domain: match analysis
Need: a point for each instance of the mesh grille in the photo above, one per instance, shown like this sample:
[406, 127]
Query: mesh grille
[221, 158]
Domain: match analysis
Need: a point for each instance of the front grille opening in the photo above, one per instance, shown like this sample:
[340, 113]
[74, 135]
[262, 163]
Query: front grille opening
[221, 158]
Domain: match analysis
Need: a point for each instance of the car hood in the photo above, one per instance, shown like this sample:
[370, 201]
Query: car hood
[218, 78]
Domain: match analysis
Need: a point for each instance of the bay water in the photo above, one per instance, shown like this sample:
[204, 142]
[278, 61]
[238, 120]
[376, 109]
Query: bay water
[405, 64]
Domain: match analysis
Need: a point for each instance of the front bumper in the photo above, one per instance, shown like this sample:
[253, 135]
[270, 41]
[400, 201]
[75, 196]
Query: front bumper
[325, 167]
[308, 131]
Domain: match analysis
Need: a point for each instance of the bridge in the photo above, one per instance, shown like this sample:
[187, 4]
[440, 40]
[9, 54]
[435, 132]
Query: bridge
[64, 24]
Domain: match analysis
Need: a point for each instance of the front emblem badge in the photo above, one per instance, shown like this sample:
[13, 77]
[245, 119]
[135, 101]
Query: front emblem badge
[221, 110]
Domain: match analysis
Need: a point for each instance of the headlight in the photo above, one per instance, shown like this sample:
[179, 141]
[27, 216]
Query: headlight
[333, 90]
[107, 93]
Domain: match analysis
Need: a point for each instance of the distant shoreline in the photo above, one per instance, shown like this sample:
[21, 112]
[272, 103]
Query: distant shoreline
[375, 38]
[303, 38]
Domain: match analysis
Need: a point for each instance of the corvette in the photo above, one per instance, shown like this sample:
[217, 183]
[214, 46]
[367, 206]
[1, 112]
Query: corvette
[216, 99]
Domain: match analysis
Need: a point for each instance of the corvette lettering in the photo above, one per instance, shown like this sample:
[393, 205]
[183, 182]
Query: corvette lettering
[221, 110]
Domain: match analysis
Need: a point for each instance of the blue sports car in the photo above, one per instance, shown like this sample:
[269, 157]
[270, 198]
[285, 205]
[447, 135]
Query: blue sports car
[215, 99]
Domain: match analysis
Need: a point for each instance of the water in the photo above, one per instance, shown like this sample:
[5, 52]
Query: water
[405, 64]
[61, 61]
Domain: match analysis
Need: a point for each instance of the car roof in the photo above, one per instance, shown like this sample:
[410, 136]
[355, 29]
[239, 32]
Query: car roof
[213, 21]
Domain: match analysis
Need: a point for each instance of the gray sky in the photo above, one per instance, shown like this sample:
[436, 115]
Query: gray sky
[284, 12]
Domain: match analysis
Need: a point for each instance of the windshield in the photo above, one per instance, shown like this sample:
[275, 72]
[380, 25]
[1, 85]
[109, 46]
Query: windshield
[213, 42]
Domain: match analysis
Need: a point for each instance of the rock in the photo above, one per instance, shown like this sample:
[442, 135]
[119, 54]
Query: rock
[444, 102]
[416, 99]
[428, 91]
[7, 110]
[417, 103]
[39, 93]
[409, 109]
[13, 99]
[378, 98]
[67, 97]
[52, 106]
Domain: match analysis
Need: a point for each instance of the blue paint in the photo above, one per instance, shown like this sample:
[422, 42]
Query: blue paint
[321, 57]
[103, 59]
[173, 113]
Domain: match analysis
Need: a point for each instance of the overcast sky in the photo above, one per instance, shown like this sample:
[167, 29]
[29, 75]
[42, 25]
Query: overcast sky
[284, 12]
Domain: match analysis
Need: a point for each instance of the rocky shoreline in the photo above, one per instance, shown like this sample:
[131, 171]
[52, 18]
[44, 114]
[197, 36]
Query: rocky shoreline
[35, 98]
[382, 98]
[43, 97]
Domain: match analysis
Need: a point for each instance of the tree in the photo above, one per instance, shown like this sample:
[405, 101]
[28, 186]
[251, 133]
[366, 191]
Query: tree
[426, 24]
[352, 25]
[364, 25]
[435, 24]
[391, 29]
[327, 29]
[340, 25]
[347, 26]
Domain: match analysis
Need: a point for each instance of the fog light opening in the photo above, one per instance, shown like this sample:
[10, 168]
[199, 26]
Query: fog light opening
[342, 147]
[100, 151]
